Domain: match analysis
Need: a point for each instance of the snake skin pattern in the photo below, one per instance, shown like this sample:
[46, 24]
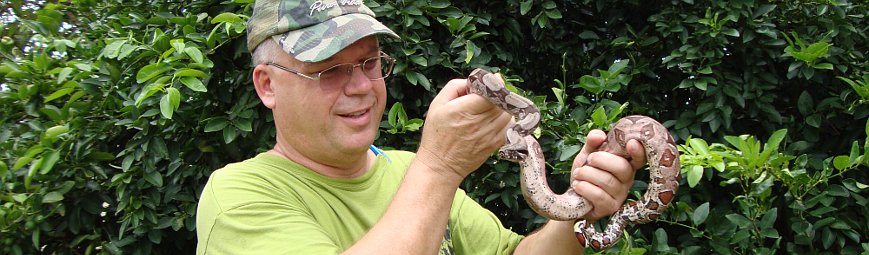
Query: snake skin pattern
[521, 147]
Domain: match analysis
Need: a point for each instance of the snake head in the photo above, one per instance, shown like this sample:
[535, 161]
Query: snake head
[512, 154]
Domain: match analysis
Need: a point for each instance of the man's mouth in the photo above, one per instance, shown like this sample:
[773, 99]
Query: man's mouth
[354, 114]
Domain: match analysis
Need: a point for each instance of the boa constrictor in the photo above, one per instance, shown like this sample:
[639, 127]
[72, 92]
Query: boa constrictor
[661, 155]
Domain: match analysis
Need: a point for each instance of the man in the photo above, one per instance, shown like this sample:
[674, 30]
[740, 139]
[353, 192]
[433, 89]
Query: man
[324, 189]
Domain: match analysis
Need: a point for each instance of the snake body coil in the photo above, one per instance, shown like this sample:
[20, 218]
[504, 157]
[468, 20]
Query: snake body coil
[522, 147]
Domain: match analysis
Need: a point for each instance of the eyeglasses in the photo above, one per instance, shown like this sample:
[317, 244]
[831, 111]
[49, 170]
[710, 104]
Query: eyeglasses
[375, 68]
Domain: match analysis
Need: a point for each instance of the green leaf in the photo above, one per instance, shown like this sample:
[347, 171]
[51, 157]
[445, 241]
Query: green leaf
[775, 139]
[194, 54]
[229, 135]
[700, 214]
[439, 4]
[591, 84]
[21, 162]
[5, 169]
[169, 103]
[194, 84]
[63, 74]
[469, 52]
[739, 220]
[158, 147]
[805, 104]
[151, 71]
[568, 152]
[49, 162]
[52, 197]
[599, 116]
[700, 146]
[227, 17]
[392, 117]
[694, 175]
[216, 124]
[243, 125]
[559, 95]
[112, 49]
[166, 108]
[525, 7]
[730, 32]
[56, 131]
[588, 35]
[34, 168]
[616, 68]
[178, 45]
[827, 66]
[126, 50]
[661, 237]
[841, 162]
[739, 236]
[155, 178]
[57, 94]
[553, 14]
[763, 10]
[187, 72]
[413, 124]
[174, 97]
[149, 91]
[769, 217]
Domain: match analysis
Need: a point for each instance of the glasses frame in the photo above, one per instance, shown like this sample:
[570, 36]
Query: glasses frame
[315, 76]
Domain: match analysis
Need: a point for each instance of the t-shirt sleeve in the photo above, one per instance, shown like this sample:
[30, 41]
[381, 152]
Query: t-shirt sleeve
[476, 230]
[267, 226]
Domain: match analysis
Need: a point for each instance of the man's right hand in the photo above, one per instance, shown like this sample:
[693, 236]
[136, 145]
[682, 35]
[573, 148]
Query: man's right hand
[461, 130]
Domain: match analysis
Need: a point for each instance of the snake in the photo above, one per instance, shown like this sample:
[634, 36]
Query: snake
[522, 147]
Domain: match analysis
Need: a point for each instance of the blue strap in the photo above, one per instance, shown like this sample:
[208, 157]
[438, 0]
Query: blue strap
[378, 151]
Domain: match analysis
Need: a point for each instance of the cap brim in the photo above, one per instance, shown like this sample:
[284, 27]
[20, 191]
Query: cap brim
[321, 41]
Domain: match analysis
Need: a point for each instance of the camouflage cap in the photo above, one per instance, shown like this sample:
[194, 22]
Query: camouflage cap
[312, 30]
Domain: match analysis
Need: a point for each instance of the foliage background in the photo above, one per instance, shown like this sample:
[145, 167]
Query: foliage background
[114, 113]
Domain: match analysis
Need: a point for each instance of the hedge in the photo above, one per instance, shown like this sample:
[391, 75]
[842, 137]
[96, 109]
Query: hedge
[113, 114]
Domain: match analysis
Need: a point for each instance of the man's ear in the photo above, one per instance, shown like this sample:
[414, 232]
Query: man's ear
[262, 81]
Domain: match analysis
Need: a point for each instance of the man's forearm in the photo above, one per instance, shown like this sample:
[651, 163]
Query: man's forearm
[416, 219]
[556, 237]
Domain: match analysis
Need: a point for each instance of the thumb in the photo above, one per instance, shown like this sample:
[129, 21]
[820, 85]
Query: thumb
[593, 141]
[454, 89]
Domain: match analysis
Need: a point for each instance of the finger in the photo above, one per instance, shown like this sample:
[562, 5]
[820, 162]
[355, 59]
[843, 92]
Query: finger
[592, 142]
[452, 90]
[604, 180]
[503, 123]
[603, 204]
[475, 104]
[613, 165]
[638, 154]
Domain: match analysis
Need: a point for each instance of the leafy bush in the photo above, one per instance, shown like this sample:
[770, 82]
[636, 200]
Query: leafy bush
[113, 114]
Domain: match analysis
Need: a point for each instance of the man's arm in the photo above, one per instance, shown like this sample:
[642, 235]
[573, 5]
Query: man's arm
[601, 178]
[460, 133]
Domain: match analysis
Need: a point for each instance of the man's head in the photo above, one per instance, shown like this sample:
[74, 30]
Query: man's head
[312, 30]
[322, 123]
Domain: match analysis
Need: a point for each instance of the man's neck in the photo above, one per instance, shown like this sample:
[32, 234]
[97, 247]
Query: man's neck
[353, 168]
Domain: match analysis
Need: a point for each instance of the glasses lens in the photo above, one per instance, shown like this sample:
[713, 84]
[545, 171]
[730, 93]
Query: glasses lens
[337, 74]
[377, 68]
[386, 64]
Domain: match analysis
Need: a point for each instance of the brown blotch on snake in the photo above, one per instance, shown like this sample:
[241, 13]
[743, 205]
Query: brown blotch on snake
[522, 147]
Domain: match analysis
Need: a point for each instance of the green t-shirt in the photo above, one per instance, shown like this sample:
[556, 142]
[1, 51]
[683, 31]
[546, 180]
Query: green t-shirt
[270, 205]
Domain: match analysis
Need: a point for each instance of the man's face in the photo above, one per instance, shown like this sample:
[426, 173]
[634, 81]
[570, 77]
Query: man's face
[328, 123]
